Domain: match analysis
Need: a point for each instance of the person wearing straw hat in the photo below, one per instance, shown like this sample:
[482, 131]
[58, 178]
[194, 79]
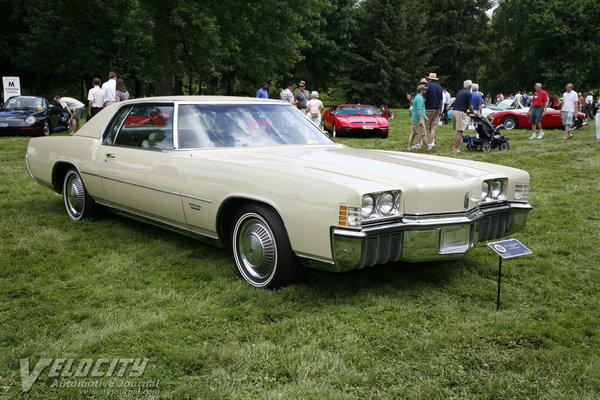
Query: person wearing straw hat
[433, 106]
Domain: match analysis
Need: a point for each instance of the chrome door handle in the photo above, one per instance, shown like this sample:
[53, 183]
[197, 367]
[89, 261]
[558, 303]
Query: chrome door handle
[111, 155]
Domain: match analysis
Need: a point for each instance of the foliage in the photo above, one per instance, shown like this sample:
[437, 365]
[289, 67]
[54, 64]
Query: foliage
[117, 288]
[369, 51]
[548, 41]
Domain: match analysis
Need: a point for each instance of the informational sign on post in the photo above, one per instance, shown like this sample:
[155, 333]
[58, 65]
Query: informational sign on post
[507, 249]
[12, 86]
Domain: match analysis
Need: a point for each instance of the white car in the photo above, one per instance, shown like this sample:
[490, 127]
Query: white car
[256, 176]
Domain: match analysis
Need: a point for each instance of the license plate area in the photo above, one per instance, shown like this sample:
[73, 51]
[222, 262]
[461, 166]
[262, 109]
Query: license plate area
[368, 127]
[3, 124]
[456, 239]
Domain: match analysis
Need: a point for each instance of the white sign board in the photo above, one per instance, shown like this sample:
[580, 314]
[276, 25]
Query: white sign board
[12, 86]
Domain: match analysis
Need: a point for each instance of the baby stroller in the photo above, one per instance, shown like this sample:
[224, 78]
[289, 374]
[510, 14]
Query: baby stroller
[489, 135]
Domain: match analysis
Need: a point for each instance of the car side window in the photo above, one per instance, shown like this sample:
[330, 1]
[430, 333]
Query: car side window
[145, 126]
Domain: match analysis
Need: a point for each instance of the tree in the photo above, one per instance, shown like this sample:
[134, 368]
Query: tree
[548, 41]
[388, 52]
[460, 34]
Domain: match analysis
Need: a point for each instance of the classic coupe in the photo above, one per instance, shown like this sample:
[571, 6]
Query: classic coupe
[355, 119]
[32, 115]
[518, 117]
[257, 177]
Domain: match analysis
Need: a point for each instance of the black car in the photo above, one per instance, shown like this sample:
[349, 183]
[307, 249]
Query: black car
[32, 115]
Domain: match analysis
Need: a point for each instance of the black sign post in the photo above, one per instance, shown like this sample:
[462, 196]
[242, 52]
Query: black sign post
[506, 249]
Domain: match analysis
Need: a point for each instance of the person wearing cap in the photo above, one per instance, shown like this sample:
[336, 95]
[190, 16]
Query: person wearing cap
[302, 96]
[433, 106]
[410, 98]
[418, 118]
[262, 93]
[462, 104]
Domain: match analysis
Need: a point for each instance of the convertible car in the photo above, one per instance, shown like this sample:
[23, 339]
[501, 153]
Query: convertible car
[356, 119]
[518, 118]
[32, 115]
[257, 177]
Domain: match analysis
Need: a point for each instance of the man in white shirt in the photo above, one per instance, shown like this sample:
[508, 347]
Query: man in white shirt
[110, 89]
[95, 99]
[569, 105]
[74, 108]
[446, 97]
[589, 106]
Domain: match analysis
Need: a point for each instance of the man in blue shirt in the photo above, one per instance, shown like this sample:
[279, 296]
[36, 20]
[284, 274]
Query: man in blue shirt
[262, 92]
[476, 99]
[418, 118]
[462, 104]
[433, 105]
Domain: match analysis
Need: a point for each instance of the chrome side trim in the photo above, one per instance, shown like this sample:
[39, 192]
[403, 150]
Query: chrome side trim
[214, 240]
[196, 198]
[148, 187]
[140, 185]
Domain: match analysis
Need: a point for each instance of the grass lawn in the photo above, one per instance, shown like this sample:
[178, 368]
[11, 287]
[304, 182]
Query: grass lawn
[114, 288]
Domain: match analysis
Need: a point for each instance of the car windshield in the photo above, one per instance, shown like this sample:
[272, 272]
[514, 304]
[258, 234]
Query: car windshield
[238, 125]
[507, 104]
[356, 110]
[23, 103]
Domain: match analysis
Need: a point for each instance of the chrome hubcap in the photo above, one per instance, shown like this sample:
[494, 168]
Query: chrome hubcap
[256, 249]
[74, 196]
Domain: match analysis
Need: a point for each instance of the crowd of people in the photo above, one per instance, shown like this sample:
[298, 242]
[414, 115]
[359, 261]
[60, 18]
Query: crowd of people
[431, 102]
[305, 101]
[111, 91]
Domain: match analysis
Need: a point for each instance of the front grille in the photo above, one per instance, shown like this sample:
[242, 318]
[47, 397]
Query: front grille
[382, 249]
[492, 227]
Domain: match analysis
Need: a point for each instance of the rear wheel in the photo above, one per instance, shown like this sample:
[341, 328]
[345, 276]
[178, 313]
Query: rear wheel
[510, 123]
[486, 147]
[78, 202]
[261, 248]
[504, 146]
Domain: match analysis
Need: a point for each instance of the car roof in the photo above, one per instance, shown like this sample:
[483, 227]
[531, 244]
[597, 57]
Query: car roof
[206, 99]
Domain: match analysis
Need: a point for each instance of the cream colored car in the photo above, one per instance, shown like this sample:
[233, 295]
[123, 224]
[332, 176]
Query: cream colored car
[258, 177]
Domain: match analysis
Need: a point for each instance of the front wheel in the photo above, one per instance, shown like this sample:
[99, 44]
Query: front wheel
[78, 202]
[261, 248]
[46, 129]
[334, 130]
[509, 123]
[504, 146]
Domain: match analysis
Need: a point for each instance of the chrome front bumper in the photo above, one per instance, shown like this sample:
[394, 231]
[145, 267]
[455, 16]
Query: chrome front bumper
[419, 238]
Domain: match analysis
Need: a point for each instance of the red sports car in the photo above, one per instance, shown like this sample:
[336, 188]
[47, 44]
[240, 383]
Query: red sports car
[357, 119]
[519, 118]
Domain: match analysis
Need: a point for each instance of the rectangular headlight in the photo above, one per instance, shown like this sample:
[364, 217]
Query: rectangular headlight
[522, 192]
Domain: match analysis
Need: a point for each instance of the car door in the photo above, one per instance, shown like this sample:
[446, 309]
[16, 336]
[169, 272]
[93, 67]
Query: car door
[53, 112]
[140, 172]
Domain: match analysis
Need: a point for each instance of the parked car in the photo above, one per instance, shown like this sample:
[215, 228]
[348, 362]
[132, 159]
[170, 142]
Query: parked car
[258, 177]
[356, 119]
[519, 118]
[504, 105]
[32, 115]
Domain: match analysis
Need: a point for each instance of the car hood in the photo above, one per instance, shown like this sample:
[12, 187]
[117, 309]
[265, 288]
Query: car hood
[17, 114]
[361, 119]
[421, 177]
